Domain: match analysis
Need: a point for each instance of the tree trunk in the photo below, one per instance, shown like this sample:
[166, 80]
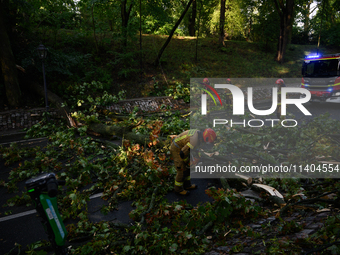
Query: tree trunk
[110, 130]
[322, 18]
[126, 133]
[192, 19]
[286, 21]
[8, 65]
[56, 101]
[198, 31]
[172, 33]
[140, 38]
[306, 16]
[249, 29]
[222, 21]
[125, 14]
[94, 29]
[306, 21]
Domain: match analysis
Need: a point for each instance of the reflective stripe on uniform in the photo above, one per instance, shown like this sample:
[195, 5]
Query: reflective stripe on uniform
[192, 132]
[180, 138]
[173, 141]
[180, 184]
[188, 178]
[190, 146]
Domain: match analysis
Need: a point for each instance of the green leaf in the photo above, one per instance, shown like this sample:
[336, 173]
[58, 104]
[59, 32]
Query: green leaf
[334, 249]
[73, 196]
[173, 247]
[126, 248]
[188, 235]
[178, 207]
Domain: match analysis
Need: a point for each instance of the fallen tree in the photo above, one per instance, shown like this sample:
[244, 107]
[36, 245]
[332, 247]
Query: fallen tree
[97, 128]
[126, 133]
[56, 101]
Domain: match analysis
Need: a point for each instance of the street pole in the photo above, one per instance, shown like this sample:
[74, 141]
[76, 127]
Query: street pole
[42, 53]
[45, 88]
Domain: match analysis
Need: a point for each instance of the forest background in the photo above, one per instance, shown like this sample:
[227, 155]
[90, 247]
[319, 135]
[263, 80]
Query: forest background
[101, 52]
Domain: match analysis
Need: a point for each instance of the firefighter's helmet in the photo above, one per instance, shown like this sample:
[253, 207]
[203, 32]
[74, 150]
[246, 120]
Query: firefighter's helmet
[209, 135]
[280, 82]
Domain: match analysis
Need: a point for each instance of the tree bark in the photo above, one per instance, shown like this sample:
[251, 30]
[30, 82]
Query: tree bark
[172, 33]
[7, 61]
[125, 14]
[94, 29]
[55, 100]
[192, 19]
[322, 18]
[110, 130]
[222, 21]
[307, 13]
[285, 11]
[126, 133]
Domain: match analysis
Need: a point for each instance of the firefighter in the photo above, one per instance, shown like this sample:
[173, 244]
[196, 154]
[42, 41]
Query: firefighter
[180, 151]
[280, 83]
[206, 81]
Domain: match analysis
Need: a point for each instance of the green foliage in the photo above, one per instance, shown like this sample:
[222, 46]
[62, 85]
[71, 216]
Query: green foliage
[266, 27]
[78, 96]
[33, 249]
[331, 36]
[177, 90]
[288, 227]
[45, 128]
[302, 144]
[175, 124]
[290, 186]
[144, 175]
[234, 20]
[126, 62]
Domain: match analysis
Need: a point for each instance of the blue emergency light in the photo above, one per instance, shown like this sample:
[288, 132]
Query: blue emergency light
[313, 56]
[330, 89]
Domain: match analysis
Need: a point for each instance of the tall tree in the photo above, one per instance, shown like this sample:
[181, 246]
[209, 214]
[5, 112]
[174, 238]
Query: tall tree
[8, 65]
[192, 19]
[306, 12]
[172, 32]
[285, 8]
[222, 21]
[125, 14]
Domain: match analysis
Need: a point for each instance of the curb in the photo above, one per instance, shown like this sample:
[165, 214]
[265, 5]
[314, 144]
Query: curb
[10, 136]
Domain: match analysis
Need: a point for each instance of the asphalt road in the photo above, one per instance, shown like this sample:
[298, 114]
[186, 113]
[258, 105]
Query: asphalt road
[316, 109]
[26, 229]
[21, 225]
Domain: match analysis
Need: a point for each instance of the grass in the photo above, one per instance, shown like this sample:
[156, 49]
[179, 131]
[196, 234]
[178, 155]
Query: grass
[239, 59]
